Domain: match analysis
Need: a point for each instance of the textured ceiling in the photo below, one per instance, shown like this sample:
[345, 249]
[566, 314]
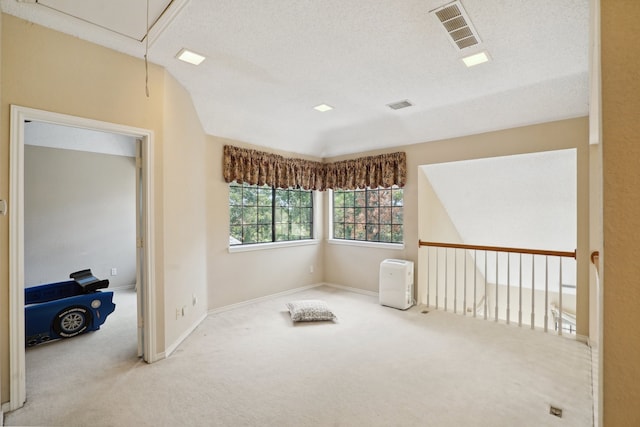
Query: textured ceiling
[270, 62]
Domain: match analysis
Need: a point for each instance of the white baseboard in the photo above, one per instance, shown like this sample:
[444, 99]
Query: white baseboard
[583, 339]
[169, 350]
[122, 288]
[259, 299]
[288, 292]
[350, 289]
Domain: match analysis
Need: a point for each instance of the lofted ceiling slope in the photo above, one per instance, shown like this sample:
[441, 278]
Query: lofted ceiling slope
[270, 62]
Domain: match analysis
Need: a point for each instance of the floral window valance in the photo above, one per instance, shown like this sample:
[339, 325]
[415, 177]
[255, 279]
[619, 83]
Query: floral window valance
[261, 168]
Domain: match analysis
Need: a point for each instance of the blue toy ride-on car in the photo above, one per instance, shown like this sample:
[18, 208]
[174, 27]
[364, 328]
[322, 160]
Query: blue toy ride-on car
[66, 309]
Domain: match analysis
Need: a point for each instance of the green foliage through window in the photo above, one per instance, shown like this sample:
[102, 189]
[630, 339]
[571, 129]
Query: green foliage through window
[371, 215]
[265, 214]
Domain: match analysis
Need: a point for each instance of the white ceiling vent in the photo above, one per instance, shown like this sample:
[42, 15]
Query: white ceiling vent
[457, 24]
[399, 105]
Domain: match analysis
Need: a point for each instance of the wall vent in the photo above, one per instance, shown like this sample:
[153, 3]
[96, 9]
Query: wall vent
[399, 105]
[456, 23]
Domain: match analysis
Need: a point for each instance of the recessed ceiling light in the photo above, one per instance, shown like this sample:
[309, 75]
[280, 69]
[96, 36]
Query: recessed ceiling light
[323, 108]
[475, 59]
[190, 57]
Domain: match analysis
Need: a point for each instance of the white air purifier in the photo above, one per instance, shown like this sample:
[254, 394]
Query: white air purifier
[396, 283]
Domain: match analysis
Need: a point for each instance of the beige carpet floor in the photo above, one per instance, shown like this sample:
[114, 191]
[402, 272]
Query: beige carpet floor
[374, 366]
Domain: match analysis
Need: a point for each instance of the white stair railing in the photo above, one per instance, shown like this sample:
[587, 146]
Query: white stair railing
[513, 285]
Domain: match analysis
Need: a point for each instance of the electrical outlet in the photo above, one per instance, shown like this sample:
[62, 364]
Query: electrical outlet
[114, 271]
[555, 411]
[311, 269]
[177, 313]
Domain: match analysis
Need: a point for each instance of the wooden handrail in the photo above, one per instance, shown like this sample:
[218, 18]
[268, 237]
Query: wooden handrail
[499, 249]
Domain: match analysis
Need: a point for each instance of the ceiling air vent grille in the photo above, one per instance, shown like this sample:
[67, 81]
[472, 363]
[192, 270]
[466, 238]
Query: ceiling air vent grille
[457, 24]
[399, 105]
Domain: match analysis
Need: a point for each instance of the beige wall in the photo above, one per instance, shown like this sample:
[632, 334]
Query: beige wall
[621, 208]
[47, 70]
[340, 265]
[241, 276]
[51, 71]
[80, 212]
[184, 201]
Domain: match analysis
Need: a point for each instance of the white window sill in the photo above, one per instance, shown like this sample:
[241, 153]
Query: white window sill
[275, 245]
[360, 243]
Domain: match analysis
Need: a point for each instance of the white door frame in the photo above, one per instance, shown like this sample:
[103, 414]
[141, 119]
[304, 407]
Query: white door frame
[17, 368]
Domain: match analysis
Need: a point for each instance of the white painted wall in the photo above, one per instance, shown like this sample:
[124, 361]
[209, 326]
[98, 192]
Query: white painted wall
[526, 200]
[79, 213]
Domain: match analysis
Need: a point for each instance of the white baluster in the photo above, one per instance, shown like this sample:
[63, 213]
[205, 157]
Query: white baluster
[437, 279]
[508, 288]
[533, 291]
[464, 298]
[546, 293]
[446, 277]
[520, 294]
[560, 300]
[475, 282]
[497, 288]
[485, 286]
[428, 275]
[455, 281]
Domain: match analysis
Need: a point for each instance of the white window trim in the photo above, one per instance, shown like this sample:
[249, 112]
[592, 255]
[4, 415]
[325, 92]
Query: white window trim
[271, 245]
[366, 244]
[361, 243]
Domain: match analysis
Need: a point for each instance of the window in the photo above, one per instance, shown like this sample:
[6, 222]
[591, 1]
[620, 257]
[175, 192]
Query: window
[265, 214]
[371, 215]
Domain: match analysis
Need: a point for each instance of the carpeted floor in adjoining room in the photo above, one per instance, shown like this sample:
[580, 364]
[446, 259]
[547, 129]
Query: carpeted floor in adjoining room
[374, 366]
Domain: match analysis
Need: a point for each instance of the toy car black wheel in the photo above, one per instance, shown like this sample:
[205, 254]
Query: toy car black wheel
[72, 321]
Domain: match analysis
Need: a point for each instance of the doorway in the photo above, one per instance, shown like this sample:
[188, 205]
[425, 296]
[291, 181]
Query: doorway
[144, 239]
